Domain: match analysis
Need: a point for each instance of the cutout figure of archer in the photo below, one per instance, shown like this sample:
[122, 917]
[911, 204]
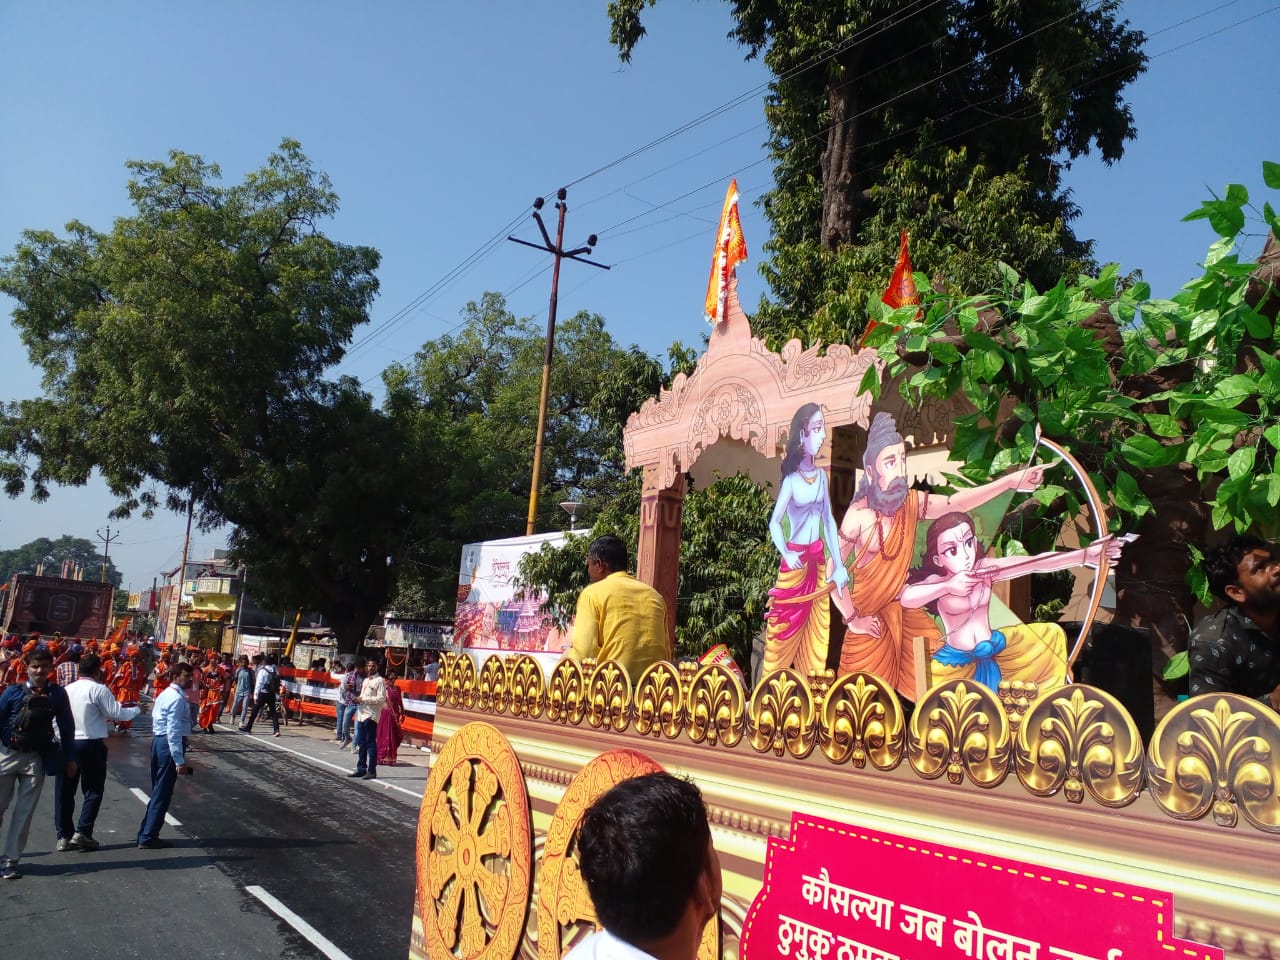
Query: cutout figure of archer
[878, 544]
[954, 581]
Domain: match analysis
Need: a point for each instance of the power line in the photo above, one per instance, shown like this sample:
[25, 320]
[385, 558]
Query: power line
[833, 50]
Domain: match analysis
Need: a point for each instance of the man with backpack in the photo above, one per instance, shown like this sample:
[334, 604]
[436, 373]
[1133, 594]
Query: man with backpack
[28, 714]
[264, 695]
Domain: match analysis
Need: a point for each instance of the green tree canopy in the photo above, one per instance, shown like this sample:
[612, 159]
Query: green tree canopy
[29, 556]
[1172, 405]
[471, 398]
[183, 355]
[172, 346]
[953, 120]
[327, 521]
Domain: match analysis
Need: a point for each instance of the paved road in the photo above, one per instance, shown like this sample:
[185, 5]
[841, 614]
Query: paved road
[276, 814]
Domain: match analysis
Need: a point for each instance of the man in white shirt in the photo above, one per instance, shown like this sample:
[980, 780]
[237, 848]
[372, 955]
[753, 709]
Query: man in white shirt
[170, 727]
[93, 706]
[266, 689]
[369, 706]
[646, 855]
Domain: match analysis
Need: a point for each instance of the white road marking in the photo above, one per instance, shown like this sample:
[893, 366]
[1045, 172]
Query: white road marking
[168, 818]
[332, 766]
[313, 936]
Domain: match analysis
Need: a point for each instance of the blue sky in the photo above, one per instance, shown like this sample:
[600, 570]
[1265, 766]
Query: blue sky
[439, 124]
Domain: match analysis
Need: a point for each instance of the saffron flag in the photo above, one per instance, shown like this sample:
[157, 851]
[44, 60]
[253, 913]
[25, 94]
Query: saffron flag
[118, 634]
[902, 286]
[731, 249]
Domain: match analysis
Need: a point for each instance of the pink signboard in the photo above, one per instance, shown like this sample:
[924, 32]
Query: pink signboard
[837, 892]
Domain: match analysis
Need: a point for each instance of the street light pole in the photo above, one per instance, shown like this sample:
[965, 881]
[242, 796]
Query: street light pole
[558, 251]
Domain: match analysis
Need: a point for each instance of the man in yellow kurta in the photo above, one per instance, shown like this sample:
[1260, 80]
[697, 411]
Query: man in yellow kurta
[618, 618]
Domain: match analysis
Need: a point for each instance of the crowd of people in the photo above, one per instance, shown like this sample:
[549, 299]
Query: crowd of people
[62, 700]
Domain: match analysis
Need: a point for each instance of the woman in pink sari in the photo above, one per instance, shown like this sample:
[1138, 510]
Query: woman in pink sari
[389, 733]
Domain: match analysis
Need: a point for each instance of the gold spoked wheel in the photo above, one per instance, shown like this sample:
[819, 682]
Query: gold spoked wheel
[474, 858]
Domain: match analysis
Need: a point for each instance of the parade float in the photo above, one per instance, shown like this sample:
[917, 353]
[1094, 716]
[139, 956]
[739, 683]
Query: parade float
[936, 787]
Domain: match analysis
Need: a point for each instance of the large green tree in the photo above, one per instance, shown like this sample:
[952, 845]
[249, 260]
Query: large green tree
[28, 557]
[953, 120]
[327, 521]
[183, 355]
[471, 397]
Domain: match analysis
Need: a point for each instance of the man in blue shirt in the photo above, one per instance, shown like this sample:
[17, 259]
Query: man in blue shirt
[30, 753]
[170, 727]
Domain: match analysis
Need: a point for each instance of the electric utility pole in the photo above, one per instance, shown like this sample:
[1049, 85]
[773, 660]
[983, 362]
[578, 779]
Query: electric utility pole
[107, 539]
[559, 253]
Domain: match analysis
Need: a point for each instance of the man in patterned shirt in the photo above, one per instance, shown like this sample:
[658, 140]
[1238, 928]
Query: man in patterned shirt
[1237, 649]
[68, 671]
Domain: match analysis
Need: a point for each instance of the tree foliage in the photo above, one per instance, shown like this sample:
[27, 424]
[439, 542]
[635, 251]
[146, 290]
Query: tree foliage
[952, 120]
[328, 521]
[29, 556]
[472, 398]
[174, 347]
[183, 355]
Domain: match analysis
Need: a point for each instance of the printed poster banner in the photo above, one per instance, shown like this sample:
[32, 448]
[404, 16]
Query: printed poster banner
[838, 892]
[491, 614]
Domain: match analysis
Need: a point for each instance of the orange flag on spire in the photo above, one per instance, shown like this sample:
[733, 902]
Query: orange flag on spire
[731, 249]
[902, 285]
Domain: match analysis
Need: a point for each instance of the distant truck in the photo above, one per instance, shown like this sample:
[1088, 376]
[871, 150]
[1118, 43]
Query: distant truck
[48, 605]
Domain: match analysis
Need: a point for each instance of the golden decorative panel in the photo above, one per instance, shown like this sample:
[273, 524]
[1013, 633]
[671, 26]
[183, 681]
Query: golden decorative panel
[474, 850]
[1077, 739]
[563, 901]
[861, 719]
[659, 705]
[462, 680]
[1213, 753]
[491, 697]
[526, 687]
[566, 702]
[717, 707]
[960, 729]
[609, 696]
[782, 716]
[1217, 752]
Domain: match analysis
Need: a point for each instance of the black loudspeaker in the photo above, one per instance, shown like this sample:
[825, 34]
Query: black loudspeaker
[1118, 660]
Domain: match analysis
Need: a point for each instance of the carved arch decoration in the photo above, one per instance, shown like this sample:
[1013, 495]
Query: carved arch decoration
[742, 390]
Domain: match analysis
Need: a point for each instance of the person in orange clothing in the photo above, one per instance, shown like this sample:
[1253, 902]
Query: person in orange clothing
[162, 679]
[127, 687]
[211, 700]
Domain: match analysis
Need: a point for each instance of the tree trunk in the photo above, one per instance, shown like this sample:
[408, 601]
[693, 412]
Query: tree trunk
[350, 632]
[1151, 586]
[839, 194]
